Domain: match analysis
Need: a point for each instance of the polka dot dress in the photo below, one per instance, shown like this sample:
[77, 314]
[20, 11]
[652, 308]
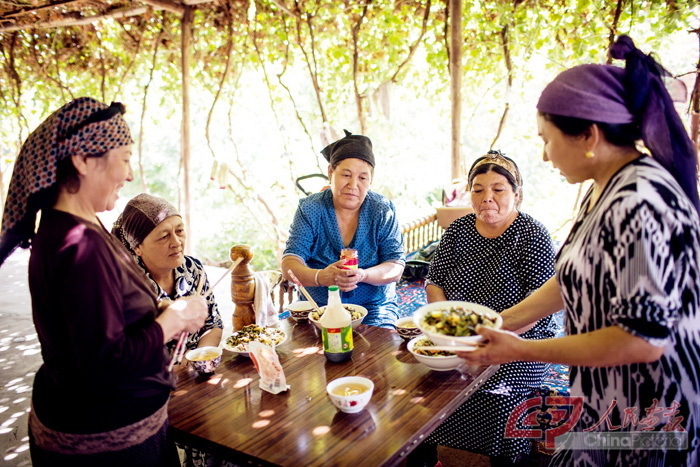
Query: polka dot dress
[498, 273]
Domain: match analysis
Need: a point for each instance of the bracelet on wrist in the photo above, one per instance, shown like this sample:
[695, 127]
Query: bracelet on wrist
[316, 278]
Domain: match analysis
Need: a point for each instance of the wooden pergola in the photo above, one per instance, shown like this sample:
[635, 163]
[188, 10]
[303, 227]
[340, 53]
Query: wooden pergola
[44, 14]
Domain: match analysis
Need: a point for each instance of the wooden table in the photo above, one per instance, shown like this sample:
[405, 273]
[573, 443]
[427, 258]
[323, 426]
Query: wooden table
[228, 414]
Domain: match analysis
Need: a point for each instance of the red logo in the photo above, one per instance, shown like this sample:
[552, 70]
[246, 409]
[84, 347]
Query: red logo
[547, 416]
[544, 418]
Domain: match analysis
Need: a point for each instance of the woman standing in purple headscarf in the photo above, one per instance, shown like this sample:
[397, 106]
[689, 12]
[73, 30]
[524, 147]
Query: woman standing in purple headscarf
[100, 396]
[628, 273]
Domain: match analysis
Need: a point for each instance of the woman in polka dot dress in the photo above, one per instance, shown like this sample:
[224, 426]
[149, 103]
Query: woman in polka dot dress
[348, 216]
[495, 257]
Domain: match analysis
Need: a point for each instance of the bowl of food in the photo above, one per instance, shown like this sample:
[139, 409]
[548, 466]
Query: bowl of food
[350, 394]
[455, 323]
[407, 328]
[357, 314]
[438, 360]
[204, 359]
[238, 341]
[300, 310]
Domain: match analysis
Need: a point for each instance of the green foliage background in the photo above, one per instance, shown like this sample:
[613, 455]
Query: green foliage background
[253, 95]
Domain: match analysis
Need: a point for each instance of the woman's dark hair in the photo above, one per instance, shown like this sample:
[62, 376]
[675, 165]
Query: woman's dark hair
[67, 175]
[371, 167]
[619, 134]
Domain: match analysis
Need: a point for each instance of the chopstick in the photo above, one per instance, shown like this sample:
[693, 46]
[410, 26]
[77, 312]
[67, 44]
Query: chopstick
[179, 350]
[181, 346]
[303, 290]
[230, 268]
[447, 348]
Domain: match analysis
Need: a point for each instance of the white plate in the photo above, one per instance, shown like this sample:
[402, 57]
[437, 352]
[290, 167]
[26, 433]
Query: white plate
[241, 349]
[444, 339]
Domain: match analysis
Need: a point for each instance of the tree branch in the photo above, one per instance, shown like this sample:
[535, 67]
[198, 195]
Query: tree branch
[509, 83]
[414, 46]
[355, 64]
[613, 28]
[166, 5]
[145, 100]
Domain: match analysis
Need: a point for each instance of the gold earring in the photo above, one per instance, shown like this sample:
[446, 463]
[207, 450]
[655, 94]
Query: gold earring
[590, 154]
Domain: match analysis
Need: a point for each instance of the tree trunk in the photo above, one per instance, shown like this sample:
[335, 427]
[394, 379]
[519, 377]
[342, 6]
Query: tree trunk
[455, 9]
[186, 36]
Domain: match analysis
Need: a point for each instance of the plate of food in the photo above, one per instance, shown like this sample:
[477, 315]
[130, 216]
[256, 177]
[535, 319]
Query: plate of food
[238, 341]
[454, 322]
[357, 314]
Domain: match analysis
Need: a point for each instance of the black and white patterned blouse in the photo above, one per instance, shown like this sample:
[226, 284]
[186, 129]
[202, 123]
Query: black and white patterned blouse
[187, 277]
[632, 262]
[498, 273]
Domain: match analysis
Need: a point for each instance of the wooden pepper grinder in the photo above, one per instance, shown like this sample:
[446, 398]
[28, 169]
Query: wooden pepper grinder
[242, 287]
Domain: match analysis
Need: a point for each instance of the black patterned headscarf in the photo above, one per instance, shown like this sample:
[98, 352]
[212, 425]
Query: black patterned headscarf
[83, 127]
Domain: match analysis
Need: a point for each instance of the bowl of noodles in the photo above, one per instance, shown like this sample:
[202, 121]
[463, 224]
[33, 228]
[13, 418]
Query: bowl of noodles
[438, 360]
[454, 322]
[357, 314]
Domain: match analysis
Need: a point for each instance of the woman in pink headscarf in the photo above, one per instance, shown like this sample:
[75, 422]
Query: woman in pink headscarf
[628, 273]
[100, 396]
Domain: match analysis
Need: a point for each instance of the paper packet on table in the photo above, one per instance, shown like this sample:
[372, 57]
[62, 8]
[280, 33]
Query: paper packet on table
[267, 362]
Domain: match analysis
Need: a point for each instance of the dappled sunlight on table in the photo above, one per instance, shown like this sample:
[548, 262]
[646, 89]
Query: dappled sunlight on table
[320, 430]
[243, 382]
[261, 423]
[303, 352]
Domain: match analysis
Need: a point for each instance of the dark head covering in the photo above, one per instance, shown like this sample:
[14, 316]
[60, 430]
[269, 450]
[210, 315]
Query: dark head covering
[141, 215]
[83, 127]
[351, 146]
[635, 94]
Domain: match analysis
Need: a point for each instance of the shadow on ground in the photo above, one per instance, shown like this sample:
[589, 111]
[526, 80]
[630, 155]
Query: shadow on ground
[20, 357]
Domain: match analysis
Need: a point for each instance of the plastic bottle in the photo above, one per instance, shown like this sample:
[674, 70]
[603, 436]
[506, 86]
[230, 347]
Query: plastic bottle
[336, 329]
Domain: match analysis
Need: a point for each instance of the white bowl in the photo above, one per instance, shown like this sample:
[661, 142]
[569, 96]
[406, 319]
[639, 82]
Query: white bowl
[434, 362]
[406, 327]
[354, 322]
[445, 339]
[300, 310]
[351, 402]
[204, 359]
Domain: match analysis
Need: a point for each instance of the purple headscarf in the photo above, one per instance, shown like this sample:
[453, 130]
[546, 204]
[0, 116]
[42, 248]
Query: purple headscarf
[635, 94]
